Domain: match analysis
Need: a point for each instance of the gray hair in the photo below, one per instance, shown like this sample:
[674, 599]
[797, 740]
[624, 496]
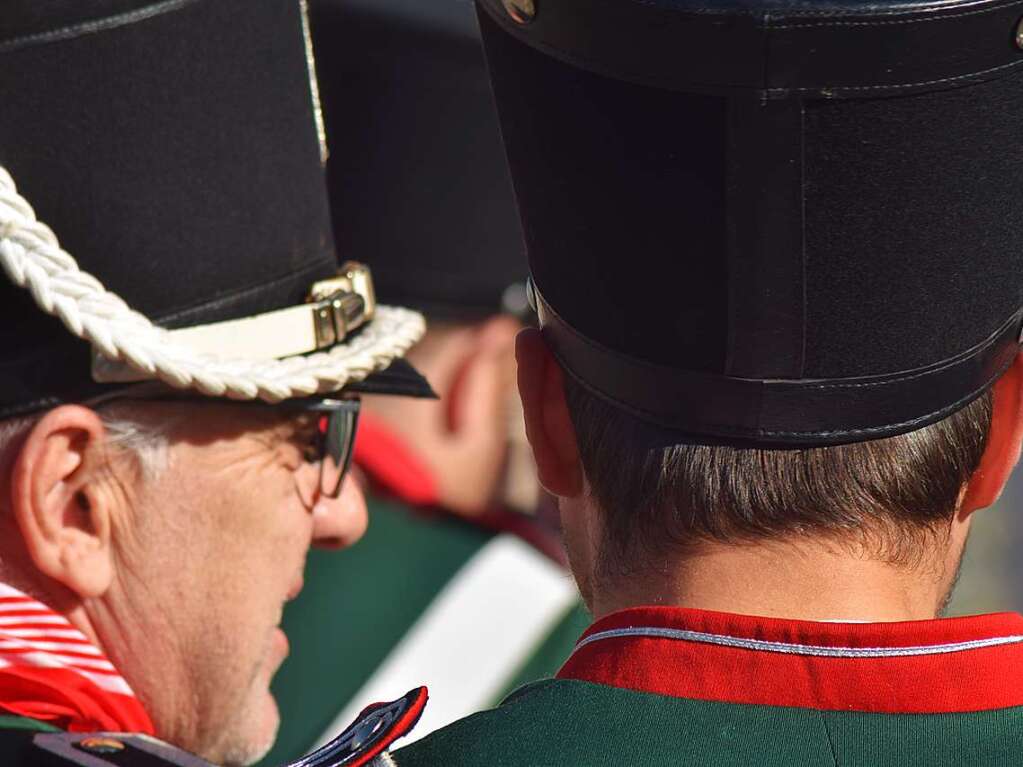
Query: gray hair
[127, 429]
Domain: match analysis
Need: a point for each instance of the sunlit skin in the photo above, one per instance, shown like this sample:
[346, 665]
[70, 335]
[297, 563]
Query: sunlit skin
[800, 578]
[181, 580]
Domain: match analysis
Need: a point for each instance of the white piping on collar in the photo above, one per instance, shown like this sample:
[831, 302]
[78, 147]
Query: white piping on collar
[787, 648]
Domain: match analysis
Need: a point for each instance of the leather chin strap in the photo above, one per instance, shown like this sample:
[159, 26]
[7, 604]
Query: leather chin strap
[760, 412]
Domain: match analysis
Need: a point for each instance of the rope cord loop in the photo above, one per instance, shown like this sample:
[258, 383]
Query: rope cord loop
[31, 257]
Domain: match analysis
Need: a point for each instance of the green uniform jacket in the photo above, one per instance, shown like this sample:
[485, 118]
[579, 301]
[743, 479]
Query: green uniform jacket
[567, 722]
[657, 686]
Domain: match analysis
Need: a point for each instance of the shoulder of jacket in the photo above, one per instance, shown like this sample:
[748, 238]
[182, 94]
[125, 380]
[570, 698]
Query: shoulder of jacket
[364, 743]
[105, 749]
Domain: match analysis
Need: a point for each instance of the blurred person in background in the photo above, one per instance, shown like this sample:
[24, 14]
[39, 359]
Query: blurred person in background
[160, 488]
[458, 583]
[778, 375]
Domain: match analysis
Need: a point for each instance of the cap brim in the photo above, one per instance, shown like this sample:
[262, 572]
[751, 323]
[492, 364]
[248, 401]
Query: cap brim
[398, 378]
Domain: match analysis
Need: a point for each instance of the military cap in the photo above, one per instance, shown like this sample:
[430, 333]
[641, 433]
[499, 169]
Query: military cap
[163, 213]
[769, 222]
[418, 182]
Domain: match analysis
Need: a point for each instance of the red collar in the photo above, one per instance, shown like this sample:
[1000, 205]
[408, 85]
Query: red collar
[390, 462]
[949, 665]
[50, 671]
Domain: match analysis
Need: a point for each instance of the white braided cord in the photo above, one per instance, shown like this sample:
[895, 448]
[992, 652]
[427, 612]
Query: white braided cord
[32, 258]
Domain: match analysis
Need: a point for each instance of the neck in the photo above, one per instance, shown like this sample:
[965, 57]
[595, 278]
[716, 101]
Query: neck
[18, 571]
[806, 579]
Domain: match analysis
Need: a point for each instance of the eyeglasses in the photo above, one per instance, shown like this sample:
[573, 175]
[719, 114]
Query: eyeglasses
[336, 422]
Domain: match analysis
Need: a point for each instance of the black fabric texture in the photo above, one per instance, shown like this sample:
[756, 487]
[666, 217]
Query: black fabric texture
[856, 273]
[914, 220]
[398, 378]
[417, 177]
[621, 192]
[28, 18]
[765, 239]
[176, 159]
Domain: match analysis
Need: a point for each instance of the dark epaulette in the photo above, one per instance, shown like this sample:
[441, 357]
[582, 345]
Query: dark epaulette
[105, 749]
[363, 744]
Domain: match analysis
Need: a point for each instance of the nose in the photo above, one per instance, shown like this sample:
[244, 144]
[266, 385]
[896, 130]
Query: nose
[340, 522]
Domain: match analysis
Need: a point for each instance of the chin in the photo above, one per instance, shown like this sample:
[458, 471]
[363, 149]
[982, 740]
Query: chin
[251, 721]
[254, 733]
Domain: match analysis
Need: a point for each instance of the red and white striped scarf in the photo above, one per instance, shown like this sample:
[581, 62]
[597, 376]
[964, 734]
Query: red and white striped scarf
[50, 671]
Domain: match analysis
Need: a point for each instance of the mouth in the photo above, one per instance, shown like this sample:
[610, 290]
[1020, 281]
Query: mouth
[295, 590]
[281, 649]
[280, 639]
[291, 595]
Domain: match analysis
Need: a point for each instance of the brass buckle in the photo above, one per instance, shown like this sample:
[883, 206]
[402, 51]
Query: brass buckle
[342, 303]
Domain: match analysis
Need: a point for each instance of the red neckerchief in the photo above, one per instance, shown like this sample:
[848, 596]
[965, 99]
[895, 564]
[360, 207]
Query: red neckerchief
[385, 457]
[948, 665]
[50, 671]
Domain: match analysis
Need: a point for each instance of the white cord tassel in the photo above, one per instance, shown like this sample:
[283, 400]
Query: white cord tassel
[32, 258]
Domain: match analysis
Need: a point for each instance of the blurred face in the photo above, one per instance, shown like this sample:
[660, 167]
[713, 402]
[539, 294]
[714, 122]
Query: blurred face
[465, 438]
[207, 556]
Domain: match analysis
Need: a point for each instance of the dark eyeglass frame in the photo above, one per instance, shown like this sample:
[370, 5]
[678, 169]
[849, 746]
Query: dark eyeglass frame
[335, 429]
[336, 426]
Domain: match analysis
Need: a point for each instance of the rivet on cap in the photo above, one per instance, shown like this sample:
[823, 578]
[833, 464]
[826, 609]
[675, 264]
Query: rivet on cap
[1019, 34]
[101, 745]
[522, 11]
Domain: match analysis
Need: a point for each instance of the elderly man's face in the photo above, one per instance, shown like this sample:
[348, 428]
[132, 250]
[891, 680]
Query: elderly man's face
[206, 553]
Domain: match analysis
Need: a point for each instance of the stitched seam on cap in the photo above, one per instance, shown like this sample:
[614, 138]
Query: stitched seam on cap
[95, 25]
[890, 22]
[729, 430]
[937, 415]
[572, 58]
[825, 14]
[655, 368]
[922, 83]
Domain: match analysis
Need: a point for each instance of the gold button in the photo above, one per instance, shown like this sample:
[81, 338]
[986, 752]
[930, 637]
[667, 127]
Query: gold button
[101, 745]
[522, 11]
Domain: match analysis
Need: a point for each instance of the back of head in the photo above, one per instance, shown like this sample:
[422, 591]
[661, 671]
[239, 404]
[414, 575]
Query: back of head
[781, 278]
[889, 498]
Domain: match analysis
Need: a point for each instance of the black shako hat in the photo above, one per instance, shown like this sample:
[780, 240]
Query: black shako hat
[419, 186]
[769, 222]
[174, 151]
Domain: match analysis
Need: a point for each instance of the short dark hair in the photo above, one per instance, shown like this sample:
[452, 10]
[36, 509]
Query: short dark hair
[655, 492]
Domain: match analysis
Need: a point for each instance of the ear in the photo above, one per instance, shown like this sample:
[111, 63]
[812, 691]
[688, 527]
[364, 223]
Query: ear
[549, 427]
[59, 502]
[1003, 444]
